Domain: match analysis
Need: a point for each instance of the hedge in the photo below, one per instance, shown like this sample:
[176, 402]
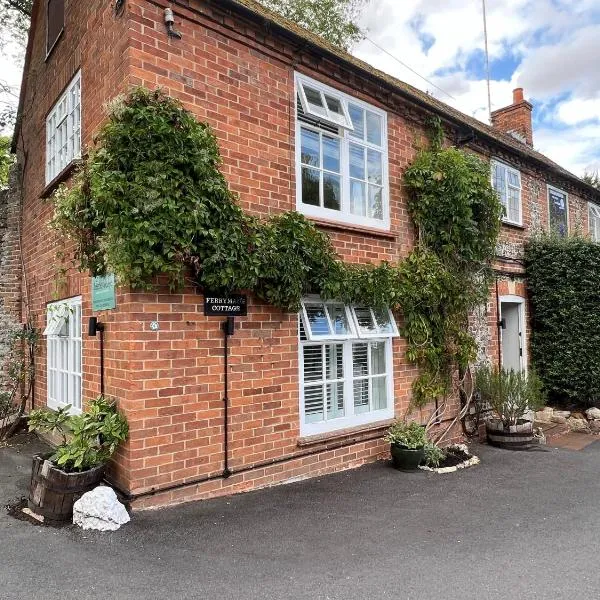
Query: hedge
[564, 288]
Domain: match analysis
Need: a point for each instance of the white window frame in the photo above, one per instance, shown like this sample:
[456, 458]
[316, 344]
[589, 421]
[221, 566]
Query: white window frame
[594, 215]
[63, 130]
[64, 354]
[344, 215]
[350, 419]
[505, 218]
[332, 117]
[550, 188]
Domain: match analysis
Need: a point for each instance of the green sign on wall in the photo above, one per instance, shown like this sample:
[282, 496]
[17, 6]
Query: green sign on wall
[103, 293]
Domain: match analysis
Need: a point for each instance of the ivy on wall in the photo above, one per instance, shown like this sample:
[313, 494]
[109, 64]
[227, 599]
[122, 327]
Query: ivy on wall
[563, 278]
[150, 200]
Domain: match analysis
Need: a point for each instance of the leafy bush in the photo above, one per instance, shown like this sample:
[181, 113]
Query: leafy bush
[563, 276]
[88, 440]
[510, 394]
[434, 455]
[408, 435]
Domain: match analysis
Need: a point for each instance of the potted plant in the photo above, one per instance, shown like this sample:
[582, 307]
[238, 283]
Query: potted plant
[407, 444]
[510, 395]
[77, 465]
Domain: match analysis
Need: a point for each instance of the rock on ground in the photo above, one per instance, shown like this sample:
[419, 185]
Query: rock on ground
[579, 425]
[100, 509]
[593, 414]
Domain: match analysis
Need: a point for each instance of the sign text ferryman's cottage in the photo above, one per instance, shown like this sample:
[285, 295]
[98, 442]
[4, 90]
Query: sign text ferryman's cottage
[235, 305]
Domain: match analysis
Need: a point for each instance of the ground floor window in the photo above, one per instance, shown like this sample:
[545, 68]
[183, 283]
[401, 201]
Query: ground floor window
[63, 345]
[346, 370]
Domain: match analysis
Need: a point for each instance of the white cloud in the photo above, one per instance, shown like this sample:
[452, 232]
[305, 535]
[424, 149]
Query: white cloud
[578, 110]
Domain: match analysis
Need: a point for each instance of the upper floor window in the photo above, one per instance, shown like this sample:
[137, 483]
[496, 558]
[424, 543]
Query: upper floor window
[341, 156]
[507, 182]
[558, 211]
[594, 222]
[63, 130]
[345, 366]
[55, 24]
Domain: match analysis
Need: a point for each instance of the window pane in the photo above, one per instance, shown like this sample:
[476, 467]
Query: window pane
[310, 148]
[379, 393]
[361, 396]
[374, 167]
[382, 316]
[375, 202]
[377, 358]
[302, 331]
[499, 179]
[357, 115]
[317, 319]
[335, 106]
[335, 400]
[360, 359]
[358, 201]
[513, 178]
[313, 363]
[334, 356]
[514, 201]
[357, 161]
[374, 128]
[365, 320]
[314, 99]
[313, 404]
[310, 186]
[332, 193]
[337, 314]
[331, 154]
[558, 212]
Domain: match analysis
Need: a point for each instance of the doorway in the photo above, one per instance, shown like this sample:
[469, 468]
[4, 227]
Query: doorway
[512, 324]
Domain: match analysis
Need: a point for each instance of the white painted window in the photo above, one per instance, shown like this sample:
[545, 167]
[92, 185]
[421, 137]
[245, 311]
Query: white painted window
[558, 211]
[507, 182]
[594, 222]
[341, 157]
[346, 369]
[63, 130]
[63, 345]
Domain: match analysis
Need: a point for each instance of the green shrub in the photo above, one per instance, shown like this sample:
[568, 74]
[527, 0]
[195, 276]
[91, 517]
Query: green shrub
[563, 276]
[408, 435]
[88, 440]
[510, 394]
[434, 455]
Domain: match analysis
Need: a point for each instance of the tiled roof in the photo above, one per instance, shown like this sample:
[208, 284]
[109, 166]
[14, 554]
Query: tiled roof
[412, 93]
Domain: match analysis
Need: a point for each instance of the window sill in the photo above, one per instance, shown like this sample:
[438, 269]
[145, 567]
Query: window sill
[512, 225]
[321, 438]
[61, 177]
[345, 227]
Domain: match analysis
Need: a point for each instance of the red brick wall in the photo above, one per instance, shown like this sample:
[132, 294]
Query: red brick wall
[170, 382]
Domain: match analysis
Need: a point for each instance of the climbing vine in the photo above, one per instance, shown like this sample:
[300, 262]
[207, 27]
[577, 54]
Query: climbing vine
[150, 200]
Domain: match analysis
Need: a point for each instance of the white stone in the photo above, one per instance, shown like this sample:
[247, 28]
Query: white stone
[579, 425]
[558, 419]
[593, 414]
[100, 510]
[562, 413]
[544, 415]
[529, 415]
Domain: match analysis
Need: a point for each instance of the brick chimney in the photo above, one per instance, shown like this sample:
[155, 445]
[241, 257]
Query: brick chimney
[516, 118]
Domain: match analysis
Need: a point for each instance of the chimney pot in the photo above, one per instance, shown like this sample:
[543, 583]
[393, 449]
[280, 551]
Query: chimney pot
[518, 95]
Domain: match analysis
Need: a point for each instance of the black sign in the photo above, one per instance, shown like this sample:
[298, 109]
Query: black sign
[235, 305]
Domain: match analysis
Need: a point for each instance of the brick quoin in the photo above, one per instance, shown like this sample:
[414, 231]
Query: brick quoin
[238, 76]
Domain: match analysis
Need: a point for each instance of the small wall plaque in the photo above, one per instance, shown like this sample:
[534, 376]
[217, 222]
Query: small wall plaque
[104, 293]
[234, 305]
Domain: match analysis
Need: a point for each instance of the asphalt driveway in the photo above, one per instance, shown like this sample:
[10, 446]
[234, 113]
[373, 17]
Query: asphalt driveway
[520, 525]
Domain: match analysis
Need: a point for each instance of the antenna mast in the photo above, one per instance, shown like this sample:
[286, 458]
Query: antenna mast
[487, 62]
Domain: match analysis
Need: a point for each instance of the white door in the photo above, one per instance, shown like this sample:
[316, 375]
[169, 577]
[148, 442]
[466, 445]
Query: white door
[512, 335]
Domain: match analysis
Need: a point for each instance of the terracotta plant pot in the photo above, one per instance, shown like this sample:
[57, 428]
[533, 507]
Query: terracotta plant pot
[405, 459]
[513, 437]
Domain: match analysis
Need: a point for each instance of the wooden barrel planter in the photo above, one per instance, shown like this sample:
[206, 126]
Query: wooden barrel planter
[514, 437]
[53, 492]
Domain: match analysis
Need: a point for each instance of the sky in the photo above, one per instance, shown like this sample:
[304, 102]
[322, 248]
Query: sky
[551, 48]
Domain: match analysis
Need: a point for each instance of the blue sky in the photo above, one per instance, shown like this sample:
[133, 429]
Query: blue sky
[551, 48]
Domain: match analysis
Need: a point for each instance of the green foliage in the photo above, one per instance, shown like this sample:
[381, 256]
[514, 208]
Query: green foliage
[89, 439]
[434, 455]
[334, 20]
[6, 160]
[407, 435]
[510, 394]
[563, 276]
[150, 200]
[593, 178]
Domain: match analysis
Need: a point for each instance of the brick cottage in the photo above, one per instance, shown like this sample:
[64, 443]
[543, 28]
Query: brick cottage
[301, 126]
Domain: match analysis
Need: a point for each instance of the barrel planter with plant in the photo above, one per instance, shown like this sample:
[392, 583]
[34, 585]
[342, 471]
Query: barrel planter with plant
[510, 395]
[407, 444]
[77, 465]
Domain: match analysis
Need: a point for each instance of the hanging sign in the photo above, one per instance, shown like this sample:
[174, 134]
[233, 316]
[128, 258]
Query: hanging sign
[103, 293]
[233, 305]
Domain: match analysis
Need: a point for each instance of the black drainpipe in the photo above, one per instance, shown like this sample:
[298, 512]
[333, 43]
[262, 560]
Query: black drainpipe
[228, 328]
